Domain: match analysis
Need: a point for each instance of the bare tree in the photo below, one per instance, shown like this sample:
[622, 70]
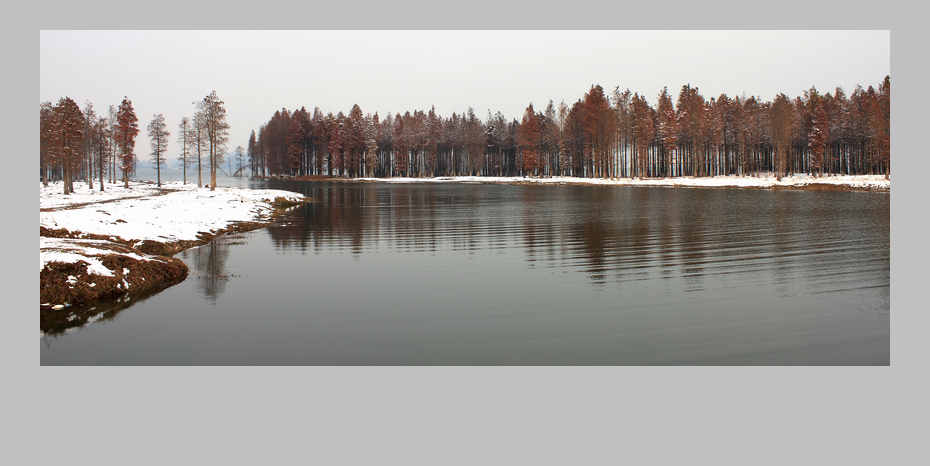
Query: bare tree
[67, 135]
[102, 146]
[184, 133]
[46, 130]
[217, 130]
[782, 124]
[127, 128]
[239, 153]
[159, 135]
[90, 118]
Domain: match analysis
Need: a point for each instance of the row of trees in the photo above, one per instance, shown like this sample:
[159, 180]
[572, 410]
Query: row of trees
[79, 145]
[75, 144]
[620, 135]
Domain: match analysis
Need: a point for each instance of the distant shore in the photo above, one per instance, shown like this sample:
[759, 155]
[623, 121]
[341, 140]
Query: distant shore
[764, 181]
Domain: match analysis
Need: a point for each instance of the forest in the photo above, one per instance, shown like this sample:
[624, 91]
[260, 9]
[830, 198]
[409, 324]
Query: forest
[77, 144]
[600, 135]
[620, 135]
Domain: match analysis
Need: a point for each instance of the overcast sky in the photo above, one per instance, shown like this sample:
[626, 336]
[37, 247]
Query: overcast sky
[258, 72]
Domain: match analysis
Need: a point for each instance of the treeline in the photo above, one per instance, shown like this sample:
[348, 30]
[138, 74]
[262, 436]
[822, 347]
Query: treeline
[80, 145]
[621, 135]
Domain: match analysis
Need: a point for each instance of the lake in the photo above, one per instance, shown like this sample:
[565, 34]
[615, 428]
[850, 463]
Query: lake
[487, 274]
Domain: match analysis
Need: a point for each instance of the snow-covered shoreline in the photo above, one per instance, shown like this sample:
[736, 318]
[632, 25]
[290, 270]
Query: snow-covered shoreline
[174, 212]
[863, 182]
[93, 227]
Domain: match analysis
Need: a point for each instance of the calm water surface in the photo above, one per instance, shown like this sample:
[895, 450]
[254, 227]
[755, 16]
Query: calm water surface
[468, 274]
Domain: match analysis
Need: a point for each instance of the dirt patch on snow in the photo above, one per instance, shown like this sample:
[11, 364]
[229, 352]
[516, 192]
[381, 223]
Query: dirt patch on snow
[63, 283]
[85, 277]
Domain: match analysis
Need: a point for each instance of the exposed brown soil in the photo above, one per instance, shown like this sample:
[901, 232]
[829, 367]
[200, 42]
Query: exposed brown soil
[86, 291]
[56, 286]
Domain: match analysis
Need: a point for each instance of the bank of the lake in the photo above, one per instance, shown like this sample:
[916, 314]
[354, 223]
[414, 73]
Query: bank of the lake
[116, 245]
[763, 181]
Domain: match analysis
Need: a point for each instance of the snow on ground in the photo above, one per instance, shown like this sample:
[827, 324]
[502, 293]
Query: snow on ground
[176, 212]
[872, 182]
[52, 196]
[74, 250]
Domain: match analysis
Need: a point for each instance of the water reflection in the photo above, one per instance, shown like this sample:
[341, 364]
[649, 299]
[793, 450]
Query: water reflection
[385, 274]
[613, 235]
[54, 323]
[209, 265]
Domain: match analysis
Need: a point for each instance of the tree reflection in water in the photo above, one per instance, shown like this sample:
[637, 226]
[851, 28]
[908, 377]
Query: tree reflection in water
[209, 263]
[623, 236]
[608, 234]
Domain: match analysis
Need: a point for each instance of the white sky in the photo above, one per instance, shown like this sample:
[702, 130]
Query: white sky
[258, 72]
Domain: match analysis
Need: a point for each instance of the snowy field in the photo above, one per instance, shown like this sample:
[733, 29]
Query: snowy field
[175, 212]
[868, 182]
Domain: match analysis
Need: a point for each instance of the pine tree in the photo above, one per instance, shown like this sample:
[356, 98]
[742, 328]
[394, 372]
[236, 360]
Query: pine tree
[819, 137]
[46, 130]
[336, 153]
[159, 135]
[217, 131]
[90, 117]
[252, 152]
[198, 136]
[238, 153]
[781, 126]
[184, 138]
[884, 125]
[294, 141]
[101, 145]
[67, 137]
[643, 133]
[668, 127]
[528, 140]
[400, 146]
[126, 131]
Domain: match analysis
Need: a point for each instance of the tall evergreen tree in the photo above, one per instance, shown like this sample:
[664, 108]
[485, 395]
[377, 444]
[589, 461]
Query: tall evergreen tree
[239, 153]
[46, 136]
[294, 141]
[884, 125]
[88, 146]
[819, 138]
[643, 133]
[184, 138]
[252, 151]
[126, 131]
[67, 138]
[158, 133]
[781, 126]
[217, 130]
[667, 129]
[101, 145]
[528, 139]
